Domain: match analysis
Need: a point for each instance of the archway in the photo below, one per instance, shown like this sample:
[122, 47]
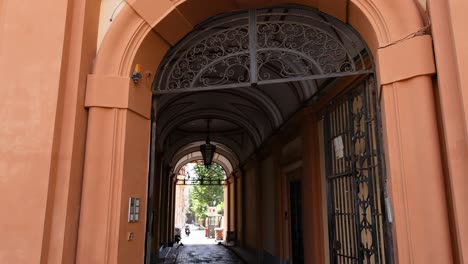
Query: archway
[201, 198]
[250, 72]
[130, 107]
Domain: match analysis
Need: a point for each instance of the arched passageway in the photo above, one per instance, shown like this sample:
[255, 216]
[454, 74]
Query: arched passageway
[77, 131]
[249, 75]
[298, 123]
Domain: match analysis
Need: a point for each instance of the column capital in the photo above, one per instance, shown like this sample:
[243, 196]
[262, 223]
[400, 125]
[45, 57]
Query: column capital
[118, 92]
[231, 179]
[406, 59]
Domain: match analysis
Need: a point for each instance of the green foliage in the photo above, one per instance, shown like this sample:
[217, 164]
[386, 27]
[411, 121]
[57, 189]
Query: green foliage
[201, 197]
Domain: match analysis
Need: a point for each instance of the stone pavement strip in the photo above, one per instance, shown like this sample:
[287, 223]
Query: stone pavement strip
[205, 254]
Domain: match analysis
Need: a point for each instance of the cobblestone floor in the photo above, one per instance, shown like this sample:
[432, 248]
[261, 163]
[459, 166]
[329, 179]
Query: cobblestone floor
[196, 248]
[205, 254]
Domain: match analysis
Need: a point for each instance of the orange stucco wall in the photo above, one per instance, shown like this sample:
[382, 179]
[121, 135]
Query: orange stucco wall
[134, 185]
[459, 36]
[46, 50]
[453, 112]
[413, 133]
[29, 115]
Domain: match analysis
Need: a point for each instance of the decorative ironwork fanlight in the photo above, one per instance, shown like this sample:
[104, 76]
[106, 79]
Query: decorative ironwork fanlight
[259, 47]
[208, 150]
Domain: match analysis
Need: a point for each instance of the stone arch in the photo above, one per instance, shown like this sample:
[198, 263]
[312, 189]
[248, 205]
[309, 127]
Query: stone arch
[195, 156]
[143, 32]
[378, 22]
[191, 152]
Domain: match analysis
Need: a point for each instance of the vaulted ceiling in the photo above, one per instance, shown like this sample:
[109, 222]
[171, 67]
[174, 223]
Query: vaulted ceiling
[299, 53]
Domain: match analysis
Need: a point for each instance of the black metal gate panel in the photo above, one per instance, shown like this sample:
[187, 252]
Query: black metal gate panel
[358, 224]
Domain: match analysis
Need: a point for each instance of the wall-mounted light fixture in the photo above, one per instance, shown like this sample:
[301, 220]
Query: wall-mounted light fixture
[136, 76]
[208, 150]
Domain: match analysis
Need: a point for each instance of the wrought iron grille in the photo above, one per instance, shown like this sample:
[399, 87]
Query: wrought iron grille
[211, 179]
[203, 182]
[355, 179]
[262, 46]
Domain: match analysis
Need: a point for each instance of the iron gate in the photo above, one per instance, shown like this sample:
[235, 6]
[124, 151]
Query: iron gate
[357, 219]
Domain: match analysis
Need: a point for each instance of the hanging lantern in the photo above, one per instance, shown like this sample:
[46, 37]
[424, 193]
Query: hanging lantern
[208, 150]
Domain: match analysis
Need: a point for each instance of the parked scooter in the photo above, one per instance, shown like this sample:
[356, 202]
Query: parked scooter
[177, 235]
[187, 230]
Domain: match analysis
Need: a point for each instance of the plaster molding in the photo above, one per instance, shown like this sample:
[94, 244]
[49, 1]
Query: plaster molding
[135, 21]
[131, 49]
[406, 59]
[168, 21]
[152, 11]
[374, 14]
[144, 12]
[118, 92]
[396, 170]
[115, 187]
[104, 172]
[109, 91]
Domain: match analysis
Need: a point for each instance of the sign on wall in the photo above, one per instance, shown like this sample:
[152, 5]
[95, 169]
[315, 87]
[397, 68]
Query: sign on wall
[339, 147]
[212, 211]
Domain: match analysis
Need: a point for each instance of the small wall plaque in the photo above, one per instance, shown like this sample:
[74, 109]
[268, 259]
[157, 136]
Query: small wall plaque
[339, 147]
[133, 210]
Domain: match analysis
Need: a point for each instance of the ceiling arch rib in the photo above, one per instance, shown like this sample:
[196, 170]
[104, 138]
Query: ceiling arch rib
[191, 152]
[253, 97]
[222, 149]
[297, 55]
[238, 143]
[213, 114]
[239, 153]
[196, 156]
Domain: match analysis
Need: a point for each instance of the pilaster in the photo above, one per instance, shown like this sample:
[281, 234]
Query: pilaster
[453, 111]
[412, 154]
[312, 181]
[116, 168]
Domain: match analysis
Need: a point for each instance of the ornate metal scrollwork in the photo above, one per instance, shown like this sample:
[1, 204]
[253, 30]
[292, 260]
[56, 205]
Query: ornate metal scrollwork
[274, 64]
[311, 50]
[216, 59]
[287, 44]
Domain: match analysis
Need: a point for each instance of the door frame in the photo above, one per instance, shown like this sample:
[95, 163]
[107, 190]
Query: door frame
[291, 172]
